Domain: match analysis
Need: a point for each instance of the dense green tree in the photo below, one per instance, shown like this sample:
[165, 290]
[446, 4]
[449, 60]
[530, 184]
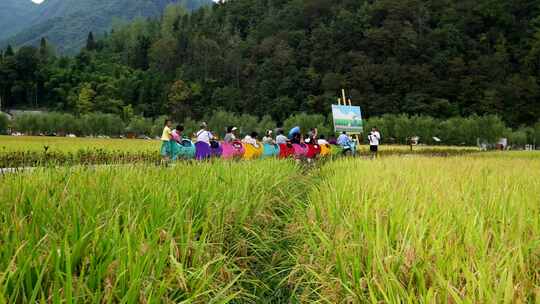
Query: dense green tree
[4, 123]
[85, 100]
[90, 42]
[178, 100]
[9, 51]
[438, 58]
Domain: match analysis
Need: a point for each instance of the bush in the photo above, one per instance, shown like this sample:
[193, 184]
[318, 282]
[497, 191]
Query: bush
[157, 126]
[536, 134]
[46, 123]
[140, 126]
[520, 137]
[220, 120]
[102, 124]
[453, 131]
[247, 124]
[307, 122]
[266, 123]
[57, 123]
[399, 128]
[32, 124]
[490, 127]
[190, 127]
[394, 128]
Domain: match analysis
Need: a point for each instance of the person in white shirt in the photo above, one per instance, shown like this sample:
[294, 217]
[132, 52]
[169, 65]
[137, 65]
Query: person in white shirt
[267, 139]
[204, 135]
[251, 139]
[374, 138]
[322, 141]
[281, 138]
[230, 136]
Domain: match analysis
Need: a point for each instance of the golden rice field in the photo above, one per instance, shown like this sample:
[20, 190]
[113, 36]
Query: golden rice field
[421, 230]
[413, 229]
[65, 144]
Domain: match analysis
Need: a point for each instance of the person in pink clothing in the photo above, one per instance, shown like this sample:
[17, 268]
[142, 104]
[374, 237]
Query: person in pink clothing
[177, 133]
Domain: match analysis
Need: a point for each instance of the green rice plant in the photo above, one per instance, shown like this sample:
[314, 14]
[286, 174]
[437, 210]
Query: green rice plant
[65, 144]
[184, 234]
[421, 230]
[19, 159]
[398, 229]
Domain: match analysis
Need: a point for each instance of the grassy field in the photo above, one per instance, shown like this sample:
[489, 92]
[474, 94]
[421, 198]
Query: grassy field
[398, 229]
[151, 235]
[28, 151]
[66, 144]
[426, 230]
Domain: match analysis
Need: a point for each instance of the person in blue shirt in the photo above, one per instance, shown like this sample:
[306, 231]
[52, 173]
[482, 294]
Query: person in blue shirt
[346, 143]
[344, 139]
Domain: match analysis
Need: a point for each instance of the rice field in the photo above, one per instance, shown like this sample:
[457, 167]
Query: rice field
[139, 234]
[415, 229]
[42, 151]
[66, 144]
[422, 230]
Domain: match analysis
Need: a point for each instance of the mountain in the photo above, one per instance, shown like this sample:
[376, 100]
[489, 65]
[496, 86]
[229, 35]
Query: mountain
[14, 16]
[66, 23]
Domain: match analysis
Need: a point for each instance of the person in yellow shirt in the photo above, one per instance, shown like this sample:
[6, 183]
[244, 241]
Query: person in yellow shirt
[166, 136]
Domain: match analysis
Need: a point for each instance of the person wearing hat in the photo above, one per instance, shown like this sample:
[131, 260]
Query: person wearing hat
[230, 136]
[267, 139]
[204, 135]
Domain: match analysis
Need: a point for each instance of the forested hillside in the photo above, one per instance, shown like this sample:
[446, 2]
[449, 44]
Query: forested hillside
[65, 23]
[14, 16]
[441, 58]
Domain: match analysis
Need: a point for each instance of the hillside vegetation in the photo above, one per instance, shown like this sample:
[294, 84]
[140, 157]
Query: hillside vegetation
[14, 16]
[436, 58]
[67, 23]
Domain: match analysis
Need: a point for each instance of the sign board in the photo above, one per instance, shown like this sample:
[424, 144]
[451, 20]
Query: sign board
[347, 118]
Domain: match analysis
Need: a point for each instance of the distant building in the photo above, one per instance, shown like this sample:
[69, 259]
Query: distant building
[20, 112]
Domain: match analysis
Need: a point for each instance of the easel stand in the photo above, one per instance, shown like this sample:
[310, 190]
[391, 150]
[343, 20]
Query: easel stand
[343, 101]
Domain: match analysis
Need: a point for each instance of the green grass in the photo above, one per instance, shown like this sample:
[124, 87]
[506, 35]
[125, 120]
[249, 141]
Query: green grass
[28, 151]
[456, 230]
[393, 230]
[65, 144]
[137, 234]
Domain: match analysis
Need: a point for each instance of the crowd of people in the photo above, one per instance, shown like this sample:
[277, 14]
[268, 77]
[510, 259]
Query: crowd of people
[172, 138]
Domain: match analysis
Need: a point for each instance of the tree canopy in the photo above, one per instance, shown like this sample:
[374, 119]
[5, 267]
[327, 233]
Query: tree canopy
[417, 57]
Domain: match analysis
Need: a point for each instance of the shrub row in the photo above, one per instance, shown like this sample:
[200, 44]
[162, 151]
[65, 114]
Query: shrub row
[464, 131]
[394, 128]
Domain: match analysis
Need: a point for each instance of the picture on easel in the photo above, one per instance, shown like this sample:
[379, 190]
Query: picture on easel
[347, 118]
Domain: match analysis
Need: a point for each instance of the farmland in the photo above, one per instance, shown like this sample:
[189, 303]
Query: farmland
[31, 151]
[65, 144]
[350, 230]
